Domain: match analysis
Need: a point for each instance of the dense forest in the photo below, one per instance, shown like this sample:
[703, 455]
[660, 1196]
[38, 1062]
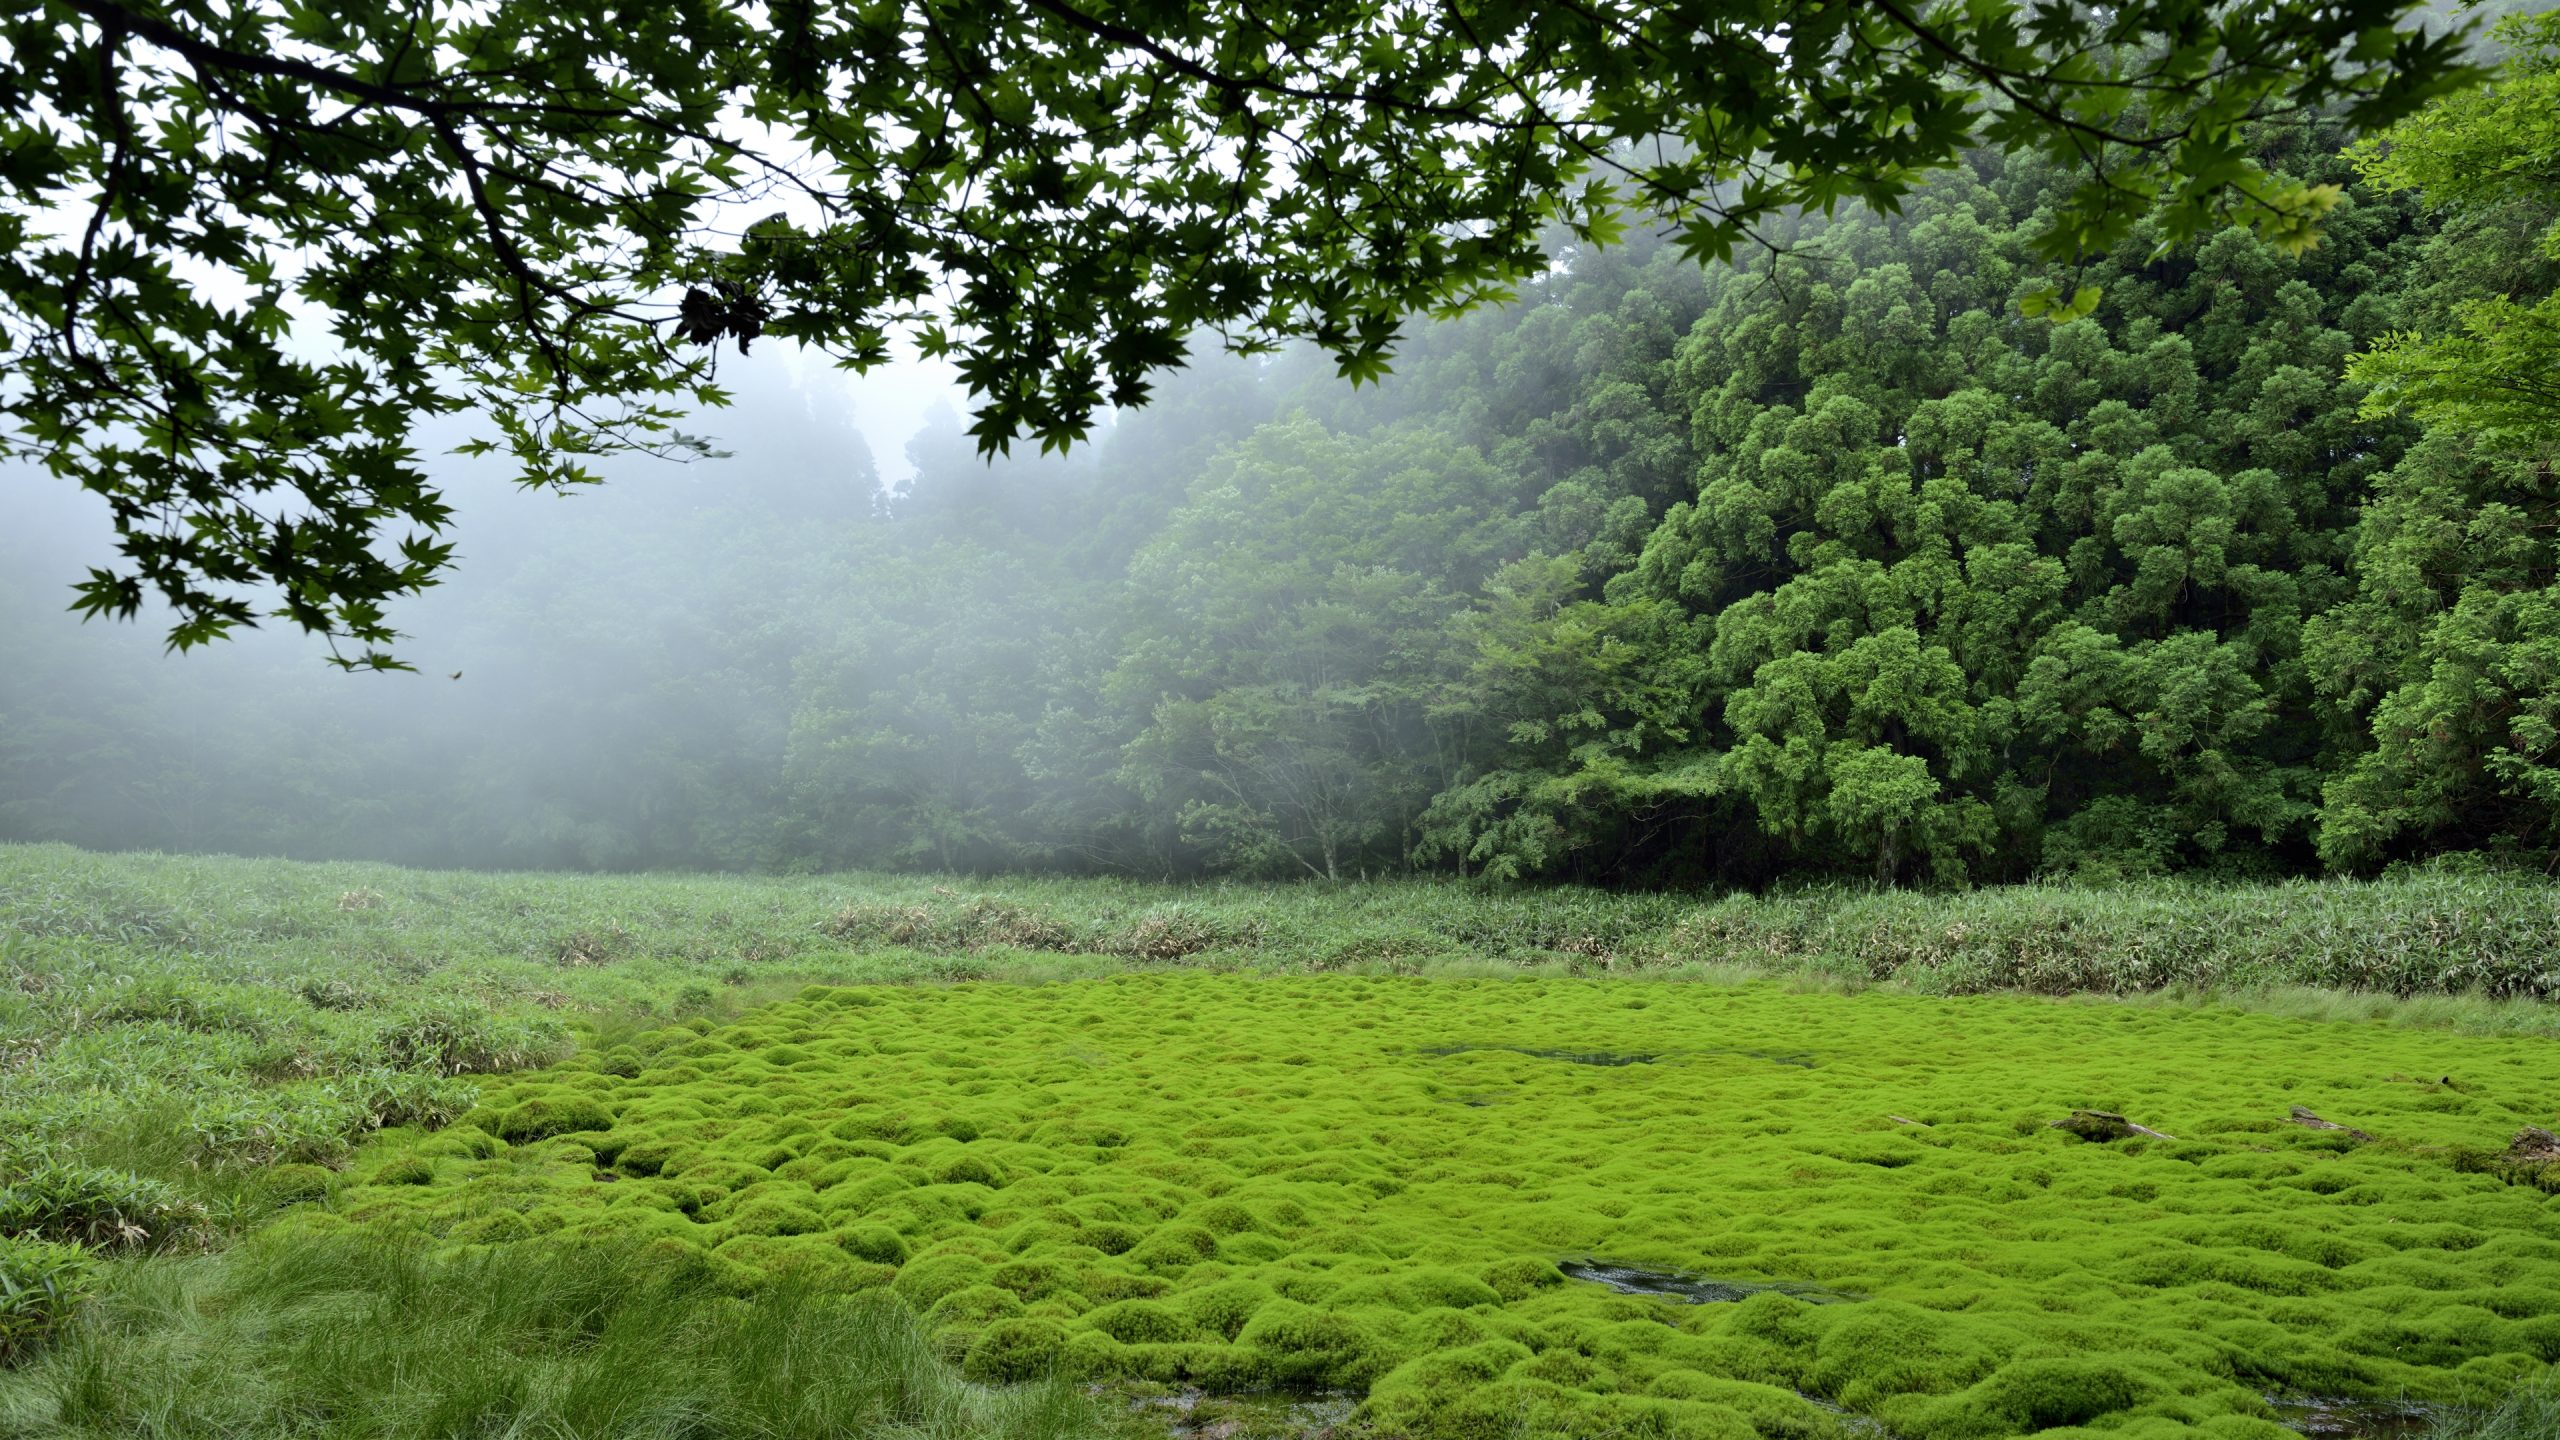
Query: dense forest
[1833, 562]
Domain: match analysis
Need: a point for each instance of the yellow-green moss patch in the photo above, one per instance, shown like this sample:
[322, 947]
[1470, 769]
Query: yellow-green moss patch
[1369, 1183]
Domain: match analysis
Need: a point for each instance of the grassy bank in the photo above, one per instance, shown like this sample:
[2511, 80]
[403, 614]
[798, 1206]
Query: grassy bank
[191, 1047]
[599, 939]
[184, 1017]
[193, 1020]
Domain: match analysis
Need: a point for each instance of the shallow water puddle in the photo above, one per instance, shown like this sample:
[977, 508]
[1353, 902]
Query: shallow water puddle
[1571, 1057]
[2336, 1419]
[1252, 1415]
[1801, 1059]
[1694, 1289]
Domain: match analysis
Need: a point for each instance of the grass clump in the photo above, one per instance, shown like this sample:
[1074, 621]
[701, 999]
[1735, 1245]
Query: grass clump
[92, 1206]
[977, 924]
[345, 1337]
[41, 1283]
[452, 1038]
[2531, 1413]
[1225, 1181]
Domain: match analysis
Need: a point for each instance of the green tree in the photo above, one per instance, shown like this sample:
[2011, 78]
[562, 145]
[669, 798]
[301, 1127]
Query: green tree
[2447, 660]
[1965, 598]
[2492, 370]
[1581, 711]
[1289, 637]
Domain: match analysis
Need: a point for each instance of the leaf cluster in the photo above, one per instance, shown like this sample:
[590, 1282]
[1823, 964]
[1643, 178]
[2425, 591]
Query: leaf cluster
[244, 249]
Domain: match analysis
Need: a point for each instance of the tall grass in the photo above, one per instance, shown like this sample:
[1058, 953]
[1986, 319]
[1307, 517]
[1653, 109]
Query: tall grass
[183, 1017]
[339, 938]
[2532, 1413]
[343, 1338]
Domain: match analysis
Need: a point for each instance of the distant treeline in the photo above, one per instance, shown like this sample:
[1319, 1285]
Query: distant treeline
[1835, 564]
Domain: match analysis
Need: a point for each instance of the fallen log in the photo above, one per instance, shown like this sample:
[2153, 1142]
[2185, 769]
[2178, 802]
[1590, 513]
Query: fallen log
[2102, 1126]
[2532, 1158]
[2303, 1117]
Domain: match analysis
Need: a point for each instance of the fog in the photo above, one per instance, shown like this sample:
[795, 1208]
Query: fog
[1199, 642]
[664, 670]
[515, 739]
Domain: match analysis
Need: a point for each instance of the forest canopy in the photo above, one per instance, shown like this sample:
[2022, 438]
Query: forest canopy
[247, 250]
[1835, 562]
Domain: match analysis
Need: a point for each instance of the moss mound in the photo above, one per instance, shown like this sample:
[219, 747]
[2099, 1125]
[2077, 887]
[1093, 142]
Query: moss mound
[1369, 1182]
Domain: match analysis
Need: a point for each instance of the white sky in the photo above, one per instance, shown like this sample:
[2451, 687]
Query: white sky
[890, 405]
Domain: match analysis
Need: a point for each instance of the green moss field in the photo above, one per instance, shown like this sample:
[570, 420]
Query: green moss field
[1236, 1182]
[342, 1151]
